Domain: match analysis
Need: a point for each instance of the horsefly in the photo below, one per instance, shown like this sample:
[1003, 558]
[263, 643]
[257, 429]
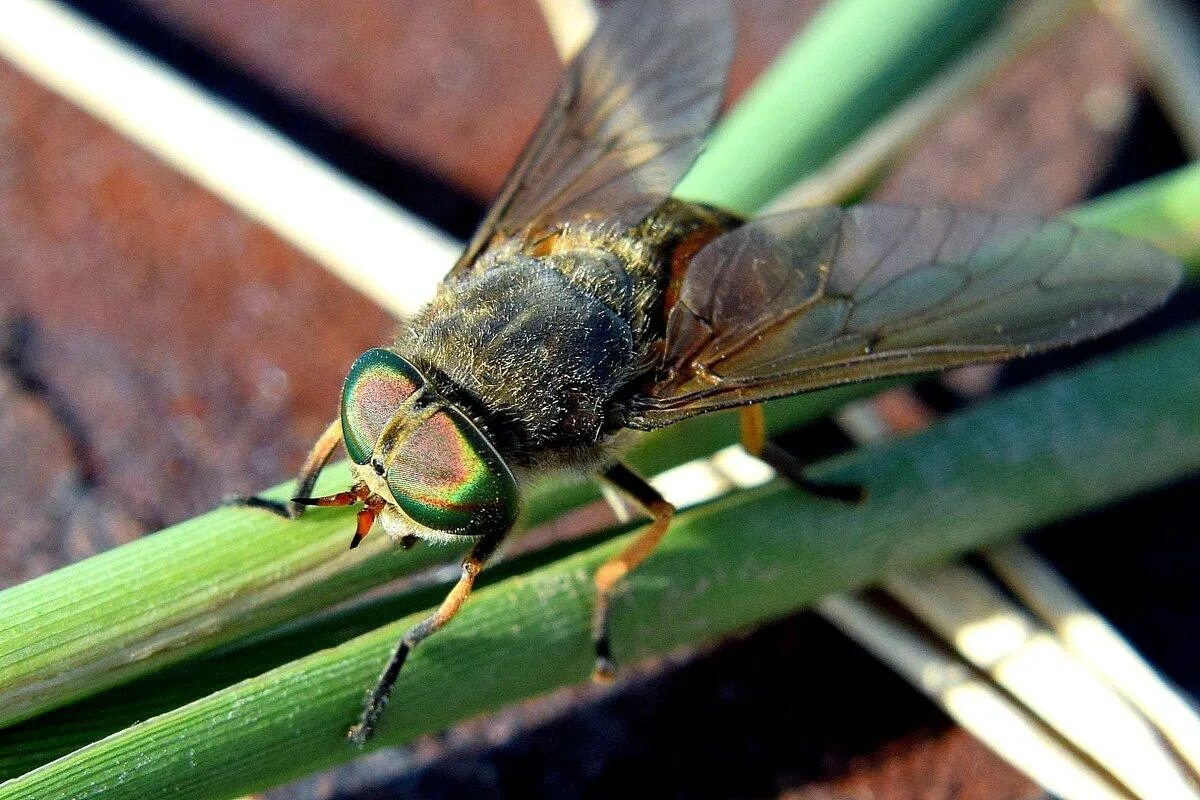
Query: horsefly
[591, 304]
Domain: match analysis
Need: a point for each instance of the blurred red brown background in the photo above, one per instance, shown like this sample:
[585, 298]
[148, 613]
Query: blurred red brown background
[161, 351]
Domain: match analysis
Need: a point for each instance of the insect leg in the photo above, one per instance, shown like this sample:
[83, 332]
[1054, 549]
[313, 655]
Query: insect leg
[756, 443]
[377, 700]
[316, 460]
[645, 495]
[754, 429]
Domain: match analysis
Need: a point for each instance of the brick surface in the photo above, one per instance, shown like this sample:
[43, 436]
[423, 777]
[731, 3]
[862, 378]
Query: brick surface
[195, 354]
[1035, 140]
[35, 462]
[455, 85]
[160, 351]
[949, 764]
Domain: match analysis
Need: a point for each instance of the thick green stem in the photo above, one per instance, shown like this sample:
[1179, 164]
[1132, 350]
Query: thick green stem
[1164, 210]
[233, 571]
[1076, 441]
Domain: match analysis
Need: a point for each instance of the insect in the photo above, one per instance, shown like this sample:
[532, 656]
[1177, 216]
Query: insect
[590, 305]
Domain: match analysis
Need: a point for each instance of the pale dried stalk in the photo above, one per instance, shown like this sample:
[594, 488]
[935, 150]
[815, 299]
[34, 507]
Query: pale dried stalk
[1092, 639]
[571, 22]
[353, 231]
[970, 701]
[1166, 36]
[1029, 662]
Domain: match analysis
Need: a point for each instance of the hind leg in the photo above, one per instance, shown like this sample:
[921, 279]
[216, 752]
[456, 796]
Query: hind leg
[756, 443]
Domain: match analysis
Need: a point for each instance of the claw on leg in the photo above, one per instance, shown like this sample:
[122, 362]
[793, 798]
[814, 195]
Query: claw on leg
[277, 507]
[340, 499]
[792, 468]
[366, 518]
[359, 493]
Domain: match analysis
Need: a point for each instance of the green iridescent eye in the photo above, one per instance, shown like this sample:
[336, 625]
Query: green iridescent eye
[379, 381]
[447, 476]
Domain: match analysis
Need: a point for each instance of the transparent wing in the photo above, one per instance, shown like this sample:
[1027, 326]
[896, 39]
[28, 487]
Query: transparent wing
[824, 296]
[626, 122]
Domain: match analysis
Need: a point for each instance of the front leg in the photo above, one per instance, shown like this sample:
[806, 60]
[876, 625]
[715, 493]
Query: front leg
[637, 489]
[316, 460]
[377, 700]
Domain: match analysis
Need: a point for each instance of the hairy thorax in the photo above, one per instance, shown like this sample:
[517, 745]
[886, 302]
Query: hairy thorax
[536, 349]
[540, 344]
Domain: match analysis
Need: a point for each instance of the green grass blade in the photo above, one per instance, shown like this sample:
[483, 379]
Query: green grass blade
[853, 63]
[35, 742]
[231, 572]
[1049, 450]
[1164, 210]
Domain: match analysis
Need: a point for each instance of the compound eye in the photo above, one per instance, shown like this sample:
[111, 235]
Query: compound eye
[378, 382]
[447, 476]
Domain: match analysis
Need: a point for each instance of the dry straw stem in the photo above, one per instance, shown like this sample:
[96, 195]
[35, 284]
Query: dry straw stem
[990, 715]
[350, 229]
[1166, 34]
[1004, 642]
[570, 22]
[1093, 640]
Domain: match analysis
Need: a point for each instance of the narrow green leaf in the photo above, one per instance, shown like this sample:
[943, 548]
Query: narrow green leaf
[1164, 210]
[37, 741]
[1070, 443]
[225, 574]
[854, 62]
